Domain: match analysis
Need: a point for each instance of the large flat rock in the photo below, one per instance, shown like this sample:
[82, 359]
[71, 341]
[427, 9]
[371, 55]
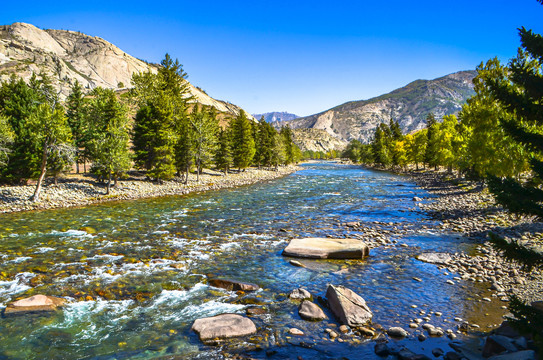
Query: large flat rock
[233, 285]
[349, 307]
[33, 304]
[325, 248]
[223, 326]
[435, 258]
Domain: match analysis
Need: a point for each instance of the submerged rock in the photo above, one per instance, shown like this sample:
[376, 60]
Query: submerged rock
[299, 294]
[397, 332]
[223, 326]
[310, 311]
[349, 307]
[325, 248]
[435, 258]
[233, 285]
[34, 304]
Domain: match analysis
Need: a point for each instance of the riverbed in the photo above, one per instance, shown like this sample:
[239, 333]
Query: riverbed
[135, 272]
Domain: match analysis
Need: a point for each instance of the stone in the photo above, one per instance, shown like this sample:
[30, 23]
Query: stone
[381, 349]
[519, 355]
[296, 263]
[232, 285]
[349, 307]
[498, 344]
[343, 329]
[435, 258]
[223, 326]
[299, 294]
[538, 305]
[310, 311]
[34, 304]
[326, 248]
[366, 331]
[437, 352]
[416, 198]
[451, 355]
[255, 311]
[421, 337]
[296, 332]
[397, 332]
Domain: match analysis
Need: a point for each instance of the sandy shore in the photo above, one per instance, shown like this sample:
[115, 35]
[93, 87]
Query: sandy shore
[84, 190]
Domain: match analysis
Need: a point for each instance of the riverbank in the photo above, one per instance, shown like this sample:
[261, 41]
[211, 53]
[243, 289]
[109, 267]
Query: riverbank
[75, 191]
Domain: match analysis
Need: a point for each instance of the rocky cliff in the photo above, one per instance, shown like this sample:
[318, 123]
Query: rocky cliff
[276, 117]
[67, 56]
[409, 105]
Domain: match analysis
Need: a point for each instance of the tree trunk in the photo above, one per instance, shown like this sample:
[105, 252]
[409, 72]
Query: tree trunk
[108, 182]
[43, 170]
[115, 180]
[85, 167]
[55, 179]
[198, 171]
[77, 167]
[187, 175]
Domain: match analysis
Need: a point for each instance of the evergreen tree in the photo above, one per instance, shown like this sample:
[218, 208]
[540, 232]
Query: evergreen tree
[223, 155]
[50, 133]
[205, 127]
[184, 150]
[518, 90]
[75, 113]
[110, 135]
[286, 135]
[380, 146]
[7, 136]
[243, 144]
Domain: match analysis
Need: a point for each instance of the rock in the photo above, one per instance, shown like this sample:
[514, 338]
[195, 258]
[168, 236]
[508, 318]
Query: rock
[498, 344]
[255, 311]
[435, 258]
[506, 330]
[417, 199]
[349, 307]
[296, 263]
[295, 331]
[310, 311]
[343, 329]
[538, 305]
[451, 355]
[366, 331]
[421, 337]
[223, 326]
[325, 248]
[232, 285]
[299, 294]
[397, 332]
[381, 349]
[333, 334]
[33, 304]
[519, 355]
[437, 352]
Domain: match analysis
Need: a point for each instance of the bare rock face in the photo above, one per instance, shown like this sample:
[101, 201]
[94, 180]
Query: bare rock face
[325, 248]
[310, 311]
[349, 307]
[223, 326]
[435, 258]
[33, 304]
[233, 285]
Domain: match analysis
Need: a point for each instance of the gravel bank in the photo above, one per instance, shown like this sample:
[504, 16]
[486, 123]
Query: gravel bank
[79, 191]
[468, 208]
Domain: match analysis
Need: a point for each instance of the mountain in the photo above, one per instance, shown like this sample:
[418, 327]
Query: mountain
[276, 117]
[67, 56]
[317, 140]
[408, 105]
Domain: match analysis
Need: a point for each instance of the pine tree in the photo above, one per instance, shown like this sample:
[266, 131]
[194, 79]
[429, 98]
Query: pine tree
[286, 134]
[243, 144]
[75, 113]
[7, 136]
[518, 90]
[223, 155]
[205, 127]
[109, 143]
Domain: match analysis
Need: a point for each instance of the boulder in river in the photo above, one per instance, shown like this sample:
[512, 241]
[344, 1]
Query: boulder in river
[310, 311]
[435, 258]
[233, 285]
[33, 304]
[223, 326]
[326, 248]
[349, 307]
[299, 294]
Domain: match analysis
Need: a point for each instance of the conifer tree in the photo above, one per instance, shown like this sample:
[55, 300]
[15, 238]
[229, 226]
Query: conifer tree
[243, 144]
[518, 90]
[223, 155]
[205, 127]
[7, 136]
[75, 113]
[286, 134]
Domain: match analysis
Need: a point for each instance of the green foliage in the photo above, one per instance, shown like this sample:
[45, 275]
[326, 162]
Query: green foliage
[243, 144]
[204, 127]
[223, 155]
[109, 151]
[527, 319]
[7, 136]
[75, 113]
[286, 136]
[380, 146]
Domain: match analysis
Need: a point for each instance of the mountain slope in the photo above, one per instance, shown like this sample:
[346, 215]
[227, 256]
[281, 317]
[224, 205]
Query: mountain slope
[67, 56]
[276, 117]
[409, 105]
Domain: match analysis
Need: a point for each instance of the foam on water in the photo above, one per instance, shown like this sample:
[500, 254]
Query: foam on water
[43, 249]
[15, 286]
[19, 259]
[71, 233]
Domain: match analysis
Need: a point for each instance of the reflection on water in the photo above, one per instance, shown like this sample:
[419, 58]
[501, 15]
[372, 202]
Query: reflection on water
[135, 272]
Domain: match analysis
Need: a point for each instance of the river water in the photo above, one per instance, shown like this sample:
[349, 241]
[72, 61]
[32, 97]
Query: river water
[135, 273]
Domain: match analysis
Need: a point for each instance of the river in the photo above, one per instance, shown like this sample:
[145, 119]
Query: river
[135, 272]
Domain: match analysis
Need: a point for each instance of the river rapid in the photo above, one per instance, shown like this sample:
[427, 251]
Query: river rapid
[135, 273]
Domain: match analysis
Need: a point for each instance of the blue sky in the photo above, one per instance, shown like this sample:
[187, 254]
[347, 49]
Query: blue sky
[298, 56]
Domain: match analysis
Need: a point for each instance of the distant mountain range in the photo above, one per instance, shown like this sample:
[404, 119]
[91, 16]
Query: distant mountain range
[66, 56]
[276, 116]
[408, 105]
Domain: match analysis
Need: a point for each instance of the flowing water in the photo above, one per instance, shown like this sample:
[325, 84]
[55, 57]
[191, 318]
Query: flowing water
[135, 273]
